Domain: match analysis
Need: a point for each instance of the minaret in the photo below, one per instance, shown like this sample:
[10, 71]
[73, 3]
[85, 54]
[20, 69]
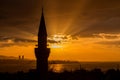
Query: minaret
[42, 52]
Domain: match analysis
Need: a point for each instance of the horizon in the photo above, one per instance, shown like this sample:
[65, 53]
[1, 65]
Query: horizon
[27, 59]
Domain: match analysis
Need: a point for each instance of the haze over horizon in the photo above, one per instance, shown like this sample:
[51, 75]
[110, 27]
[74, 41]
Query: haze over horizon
[82, 30]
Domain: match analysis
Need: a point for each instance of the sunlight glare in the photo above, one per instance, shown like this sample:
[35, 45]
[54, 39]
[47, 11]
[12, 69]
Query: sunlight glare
[58, 40]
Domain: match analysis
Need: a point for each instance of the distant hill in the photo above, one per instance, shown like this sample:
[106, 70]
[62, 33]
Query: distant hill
[7, 57]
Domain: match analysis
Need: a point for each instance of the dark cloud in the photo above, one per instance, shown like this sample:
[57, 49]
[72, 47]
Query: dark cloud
[19, 8]
[107, 36]
[84, 17]
[2, 38]
[110, 43]
[100, 16]
[20, 15]
[105, 26]
[11, 41]
[6, 45]
[53, 41]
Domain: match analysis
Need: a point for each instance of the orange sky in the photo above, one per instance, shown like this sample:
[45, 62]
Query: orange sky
[79, 49]
[93, 25]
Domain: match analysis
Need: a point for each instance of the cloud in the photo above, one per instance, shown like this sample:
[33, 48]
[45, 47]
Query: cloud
[108, 39]
[98, 40]
[108, 26]
[52, 41]
[19, 8]
[101, 16]
[107, 36]
[10, 41]
[59, 38]
[20, 18]
[110, 43]
[2, 38]
[19, 14]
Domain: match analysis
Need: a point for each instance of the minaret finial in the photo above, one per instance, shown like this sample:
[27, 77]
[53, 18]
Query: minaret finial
[42, 10]
[42, 7]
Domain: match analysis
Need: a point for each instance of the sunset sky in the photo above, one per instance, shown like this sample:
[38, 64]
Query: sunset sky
[79, 30]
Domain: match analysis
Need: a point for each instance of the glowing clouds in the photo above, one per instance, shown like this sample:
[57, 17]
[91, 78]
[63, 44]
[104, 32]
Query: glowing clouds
[58, 40]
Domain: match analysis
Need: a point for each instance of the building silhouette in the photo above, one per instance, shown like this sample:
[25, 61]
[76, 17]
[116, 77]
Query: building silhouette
[42, 52]
[21, 57]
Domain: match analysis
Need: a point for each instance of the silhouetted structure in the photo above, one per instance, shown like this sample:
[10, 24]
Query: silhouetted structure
[42, 52]
[19, 57]
[22, 57]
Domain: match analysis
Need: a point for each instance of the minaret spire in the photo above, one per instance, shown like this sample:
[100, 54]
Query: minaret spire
[42, 33]
[42, 27]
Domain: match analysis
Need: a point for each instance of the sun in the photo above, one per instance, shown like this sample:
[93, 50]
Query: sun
[56, 46]
[58, 40]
